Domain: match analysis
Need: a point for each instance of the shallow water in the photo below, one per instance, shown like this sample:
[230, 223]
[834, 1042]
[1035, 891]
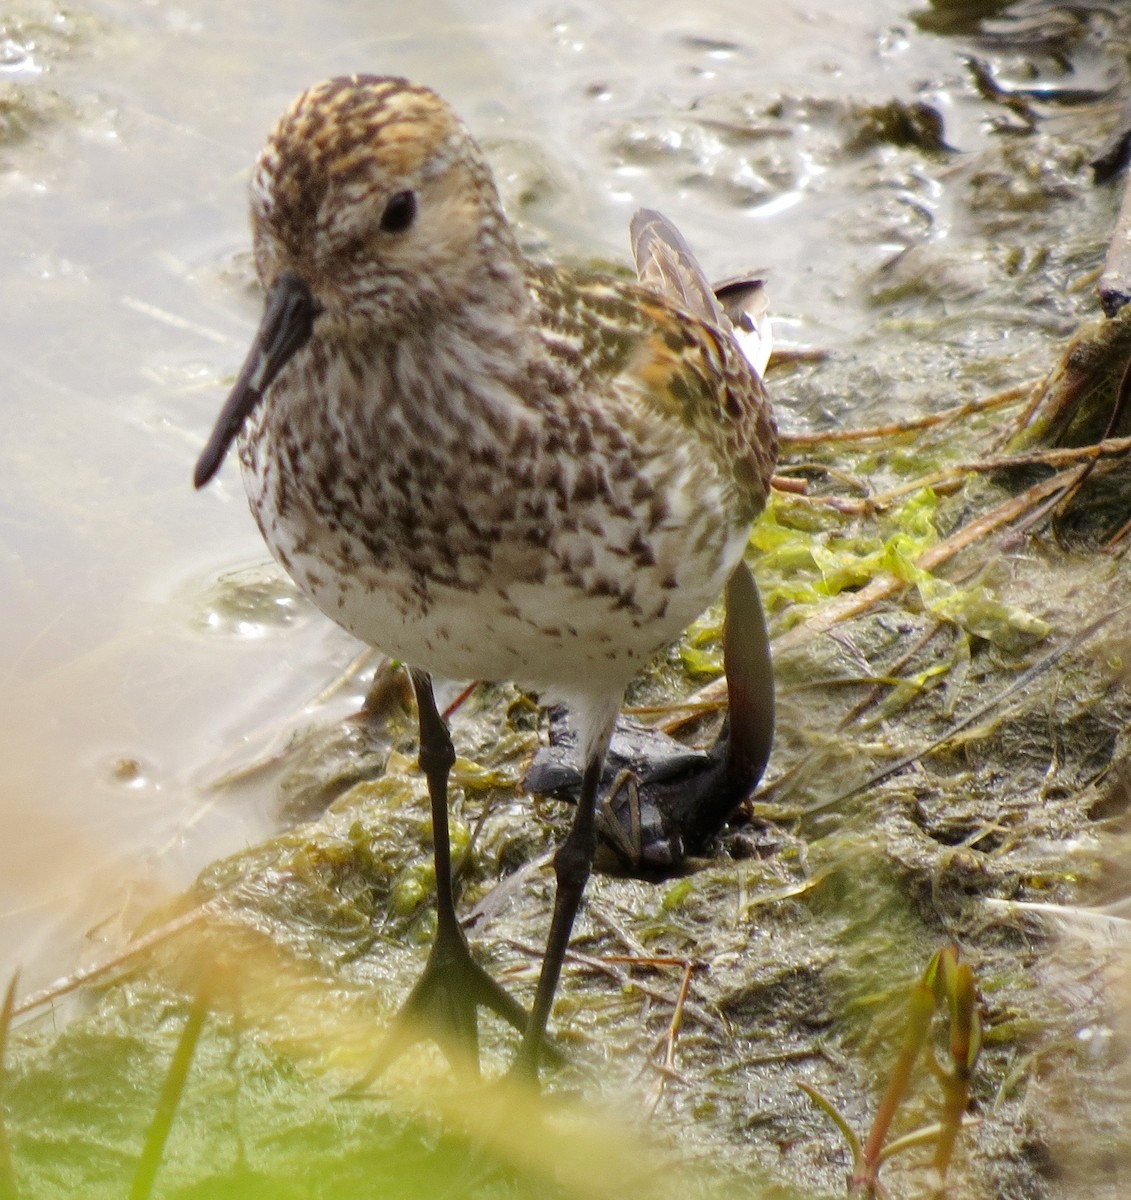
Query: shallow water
[125, 308]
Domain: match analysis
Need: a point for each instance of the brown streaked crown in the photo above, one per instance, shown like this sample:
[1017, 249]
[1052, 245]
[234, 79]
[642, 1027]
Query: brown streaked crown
[336, 158]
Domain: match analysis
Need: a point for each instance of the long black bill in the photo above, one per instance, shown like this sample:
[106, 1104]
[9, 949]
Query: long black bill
[288, 319]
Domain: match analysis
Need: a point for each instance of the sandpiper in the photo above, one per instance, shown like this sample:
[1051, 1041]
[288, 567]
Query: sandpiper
[488, 468]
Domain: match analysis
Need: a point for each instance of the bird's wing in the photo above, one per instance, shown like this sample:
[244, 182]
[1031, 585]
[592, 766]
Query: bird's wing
[667, 265]
[635, 348]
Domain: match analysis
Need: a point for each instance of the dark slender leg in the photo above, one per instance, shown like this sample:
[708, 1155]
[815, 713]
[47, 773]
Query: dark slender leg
[572, 864]
[437, 754]
[445, 1001]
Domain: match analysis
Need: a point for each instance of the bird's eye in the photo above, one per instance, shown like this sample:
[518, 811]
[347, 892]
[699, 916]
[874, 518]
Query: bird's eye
[399, 213]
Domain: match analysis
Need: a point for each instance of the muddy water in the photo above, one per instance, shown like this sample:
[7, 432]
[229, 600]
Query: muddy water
[128, 682]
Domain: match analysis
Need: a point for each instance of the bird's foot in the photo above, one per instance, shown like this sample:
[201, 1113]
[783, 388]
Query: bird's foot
[663, 801]
[444, 1007]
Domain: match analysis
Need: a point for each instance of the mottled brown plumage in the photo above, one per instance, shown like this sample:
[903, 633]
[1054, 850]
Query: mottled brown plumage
[488, 468]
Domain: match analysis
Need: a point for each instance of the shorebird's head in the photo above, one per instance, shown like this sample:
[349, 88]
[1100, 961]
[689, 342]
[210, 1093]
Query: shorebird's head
[372, 191]
[374, 214]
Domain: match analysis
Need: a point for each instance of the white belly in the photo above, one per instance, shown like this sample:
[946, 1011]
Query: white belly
[550, 635]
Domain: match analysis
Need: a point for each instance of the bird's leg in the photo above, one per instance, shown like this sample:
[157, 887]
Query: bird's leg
[572, 864]
[436, 757]
[444, 1003]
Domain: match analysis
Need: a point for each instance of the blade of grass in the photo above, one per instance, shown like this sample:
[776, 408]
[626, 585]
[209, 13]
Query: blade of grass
[8, 1189]
[171, 1092]
[834, 1114]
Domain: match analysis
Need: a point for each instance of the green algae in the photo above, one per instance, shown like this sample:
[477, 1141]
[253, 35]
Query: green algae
[250, 1122]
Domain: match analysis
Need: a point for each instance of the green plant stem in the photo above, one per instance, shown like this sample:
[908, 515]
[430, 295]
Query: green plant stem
[171, 1092]
[920, 1010]
[8, 1190]
[965, 1046]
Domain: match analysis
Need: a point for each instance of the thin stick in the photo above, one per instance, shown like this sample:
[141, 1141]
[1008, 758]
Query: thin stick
[950, 478]
[344, 678]
[883, 586]
[667, 1068]
[609, 965]
[1057, 457]
[69, 983]
[998, 400]
[1114, 417]
[1118, 536]
[1020, 685]
[460, 700]
[786, 483]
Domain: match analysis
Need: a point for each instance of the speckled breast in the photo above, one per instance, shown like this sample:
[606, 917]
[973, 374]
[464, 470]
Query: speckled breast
[484, 544]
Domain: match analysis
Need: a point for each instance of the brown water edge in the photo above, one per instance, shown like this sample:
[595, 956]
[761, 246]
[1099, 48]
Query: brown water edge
[941, 268]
